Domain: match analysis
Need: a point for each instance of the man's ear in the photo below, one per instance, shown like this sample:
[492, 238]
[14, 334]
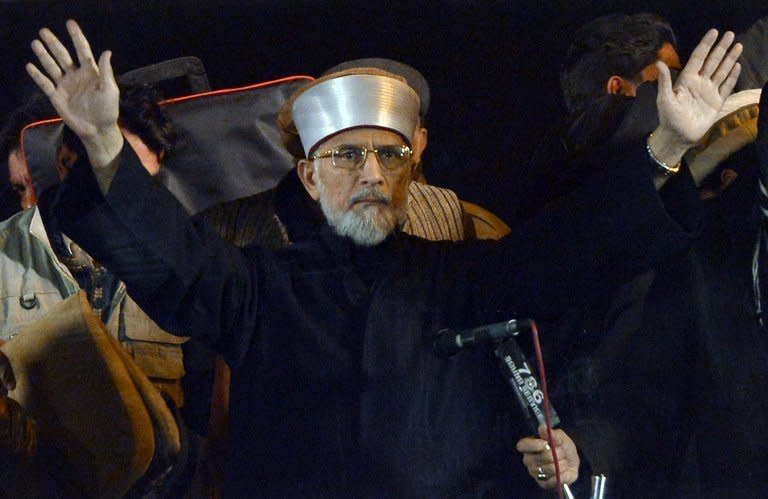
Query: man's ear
[65, 158]
[306, 171]
[616, 85]
[419, 143]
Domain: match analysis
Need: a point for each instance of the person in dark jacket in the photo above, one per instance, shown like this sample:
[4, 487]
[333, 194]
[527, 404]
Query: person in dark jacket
[646, 386]
[326, 400]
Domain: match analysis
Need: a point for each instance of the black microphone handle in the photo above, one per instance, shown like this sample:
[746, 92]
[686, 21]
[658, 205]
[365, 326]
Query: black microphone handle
[492, 332]
[448, 342]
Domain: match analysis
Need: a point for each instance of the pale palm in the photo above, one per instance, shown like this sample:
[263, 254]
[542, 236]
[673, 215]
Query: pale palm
[86, 96]
[690, 108]
[84, 102]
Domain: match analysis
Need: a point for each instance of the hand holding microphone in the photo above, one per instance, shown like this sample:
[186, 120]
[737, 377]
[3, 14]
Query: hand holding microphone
[538, 456]
[539, 460]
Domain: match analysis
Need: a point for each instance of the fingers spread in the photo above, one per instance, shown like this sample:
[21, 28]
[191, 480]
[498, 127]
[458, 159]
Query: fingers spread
[730, 82]
[699, 54]
[46, 61]
[665, 80]
[105, 69]
[82, 47]
[57, 49]
[715, 56]
[727, 65]
[45, 85]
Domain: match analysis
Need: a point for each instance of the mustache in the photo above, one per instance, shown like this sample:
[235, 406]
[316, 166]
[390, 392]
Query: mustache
[371, 194]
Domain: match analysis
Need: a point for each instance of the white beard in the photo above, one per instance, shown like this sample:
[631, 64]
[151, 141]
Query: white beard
[367, 228]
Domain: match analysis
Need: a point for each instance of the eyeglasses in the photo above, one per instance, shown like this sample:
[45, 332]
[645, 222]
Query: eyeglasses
[349, 157]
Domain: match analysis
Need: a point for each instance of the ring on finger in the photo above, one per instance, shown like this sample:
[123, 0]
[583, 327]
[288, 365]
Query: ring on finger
[541, 474]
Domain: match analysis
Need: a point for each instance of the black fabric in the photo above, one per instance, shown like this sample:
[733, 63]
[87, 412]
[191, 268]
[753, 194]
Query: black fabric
[571, 152]
[754, 58]
[664, 389]
[270, 219]
[761, 143]
[688, 386]
[297, 211]
[9, 202]
[730, 411]
[596, 378]
[243, 222]
[326, 400]
[197, 384]
[99, 284]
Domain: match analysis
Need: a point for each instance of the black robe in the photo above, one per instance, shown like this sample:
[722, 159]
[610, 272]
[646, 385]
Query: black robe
[336, 391]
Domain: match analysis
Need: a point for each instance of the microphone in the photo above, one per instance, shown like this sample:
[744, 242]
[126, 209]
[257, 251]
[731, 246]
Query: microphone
[448, 342]
[520, 376]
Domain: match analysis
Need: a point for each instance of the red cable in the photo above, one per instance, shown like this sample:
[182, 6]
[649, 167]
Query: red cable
[543, 374]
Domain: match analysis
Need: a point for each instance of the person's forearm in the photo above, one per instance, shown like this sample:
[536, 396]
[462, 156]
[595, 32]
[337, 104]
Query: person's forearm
[139, 231]
[612, 225]
[103, 149]
[668, 148]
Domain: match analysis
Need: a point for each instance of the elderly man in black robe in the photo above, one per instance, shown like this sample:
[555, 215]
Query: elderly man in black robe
[336, 391]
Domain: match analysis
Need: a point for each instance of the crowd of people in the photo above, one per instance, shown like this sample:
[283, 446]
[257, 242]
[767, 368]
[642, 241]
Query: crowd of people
[291, 332]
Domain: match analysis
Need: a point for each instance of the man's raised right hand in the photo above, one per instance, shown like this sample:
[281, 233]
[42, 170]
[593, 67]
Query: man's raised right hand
[84, 94]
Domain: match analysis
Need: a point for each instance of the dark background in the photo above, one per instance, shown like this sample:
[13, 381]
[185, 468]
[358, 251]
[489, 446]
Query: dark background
[492, 66]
